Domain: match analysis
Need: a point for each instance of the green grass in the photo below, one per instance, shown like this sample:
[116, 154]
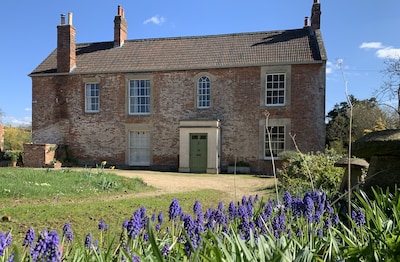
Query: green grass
[48, 198]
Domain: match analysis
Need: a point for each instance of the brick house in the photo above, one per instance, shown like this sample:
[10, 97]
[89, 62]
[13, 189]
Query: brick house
[191, 104]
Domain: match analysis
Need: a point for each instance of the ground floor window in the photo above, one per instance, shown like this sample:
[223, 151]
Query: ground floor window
[274, 141]
[139, 148]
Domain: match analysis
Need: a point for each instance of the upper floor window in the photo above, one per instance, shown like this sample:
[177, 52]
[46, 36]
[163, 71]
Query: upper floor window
[92, 98]
[275, 89]
[274, 140]
[139, 97]
[203, 92]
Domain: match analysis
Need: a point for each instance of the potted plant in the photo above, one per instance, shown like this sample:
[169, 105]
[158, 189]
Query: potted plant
[240, 167]
[13, 156]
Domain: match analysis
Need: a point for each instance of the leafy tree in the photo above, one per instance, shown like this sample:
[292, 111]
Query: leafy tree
[16, 137]
[367, 117]
[390, 89]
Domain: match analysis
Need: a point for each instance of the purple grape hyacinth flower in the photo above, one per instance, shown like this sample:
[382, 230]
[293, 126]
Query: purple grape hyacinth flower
[197, 207]
[175, 210]
[67, 232]
[287, 200]
[358, 217]
[29, 238]
[160, 217]
[88, 240]
[47, 247]
[165, 250]
[5, 241]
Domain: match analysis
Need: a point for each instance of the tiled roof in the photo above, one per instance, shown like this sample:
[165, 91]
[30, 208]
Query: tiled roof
[199, 52]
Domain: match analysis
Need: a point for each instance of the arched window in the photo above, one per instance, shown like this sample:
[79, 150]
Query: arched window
[203, 92]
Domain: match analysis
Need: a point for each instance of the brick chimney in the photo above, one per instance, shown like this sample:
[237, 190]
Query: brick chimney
[316, 15]
[120, 28]
[66, 46]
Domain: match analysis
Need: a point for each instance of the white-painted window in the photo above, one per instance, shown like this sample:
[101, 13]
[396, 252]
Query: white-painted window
[274, 141]
[275, 85]
[92, 97]
[139, 97]
[203, 92]
[139, 148]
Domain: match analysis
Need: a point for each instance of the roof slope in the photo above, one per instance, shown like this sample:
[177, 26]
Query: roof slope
[200, 52]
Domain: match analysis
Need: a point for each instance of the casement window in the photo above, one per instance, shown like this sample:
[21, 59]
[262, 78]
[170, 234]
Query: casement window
[203, 92]
[275, 85]
[274, 141]
[139, 97]
[92, 98]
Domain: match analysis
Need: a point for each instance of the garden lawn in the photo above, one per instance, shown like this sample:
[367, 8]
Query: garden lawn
[49, 198]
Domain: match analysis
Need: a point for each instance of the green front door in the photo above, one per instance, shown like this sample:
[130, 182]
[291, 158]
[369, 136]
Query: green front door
[198, 153]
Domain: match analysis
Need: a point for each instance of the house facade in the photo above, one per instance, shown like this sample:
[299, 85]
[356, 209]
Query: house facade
[190, 104]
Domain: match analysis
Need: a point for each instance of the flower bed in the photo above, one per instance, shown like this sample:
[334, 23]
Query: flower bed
[306, 228]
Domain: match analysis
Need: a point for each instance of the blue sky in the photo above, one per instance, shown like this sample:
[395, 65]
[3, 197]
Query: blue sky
[358, 33]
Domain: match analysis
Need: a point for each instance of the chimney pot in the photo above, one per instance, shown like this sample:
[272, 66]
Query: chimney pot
[63, 19]
[70, 18]
[306, 21]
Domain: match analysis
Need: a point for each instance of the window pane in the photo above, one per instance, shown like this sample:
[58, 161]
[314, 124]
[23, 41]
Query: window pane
[275, 89]
[277, 143]
[92, 99]
[139, 93]
[203, 92]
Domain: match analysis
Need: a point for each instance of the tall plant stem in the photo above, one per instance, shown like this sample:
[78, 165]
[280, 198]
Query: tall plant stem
[349, 148]
[267, 114]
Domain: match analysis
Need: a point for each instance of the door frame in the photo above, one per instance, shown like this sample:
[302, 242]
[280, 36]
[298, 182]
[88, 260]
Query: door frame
[209, 127]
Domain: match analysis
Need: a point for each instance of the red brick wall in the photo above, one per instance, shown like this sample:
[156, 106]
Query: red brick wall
[38, 155]
[59, 117]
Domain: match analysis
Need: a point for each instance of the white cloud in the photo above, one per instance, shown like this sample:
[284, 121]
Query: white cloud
[13, 121]
[371, 45]
[388, 52]
[329, 67]
[158, 20]
[28, 109]
[383, 51]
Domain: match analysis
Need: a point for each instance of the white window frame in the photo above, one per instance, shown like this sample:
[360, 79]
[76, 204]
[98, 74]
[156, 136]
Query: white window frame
[140, 149]
[139, 96]
[92, 100]
[277, 134]
[203, 92]
[275, 89]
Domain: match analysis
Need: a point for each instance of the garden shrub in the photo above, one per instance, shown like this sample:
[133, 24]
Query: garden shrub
[295, 173]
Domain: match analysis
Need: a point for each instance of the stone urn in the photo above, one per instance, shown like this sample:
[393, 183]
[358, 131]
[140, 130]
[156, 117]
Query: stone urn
[382, 150]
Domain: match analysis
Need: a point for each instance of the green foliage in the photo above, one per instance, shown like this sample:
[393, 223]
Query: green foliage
[379, 239]
[366, 116]
[13, 155]
[298, 170]
[16, 137]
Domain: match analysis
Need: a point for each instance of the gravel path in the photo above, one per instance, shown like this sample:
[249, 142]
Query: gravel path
[169, 183]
